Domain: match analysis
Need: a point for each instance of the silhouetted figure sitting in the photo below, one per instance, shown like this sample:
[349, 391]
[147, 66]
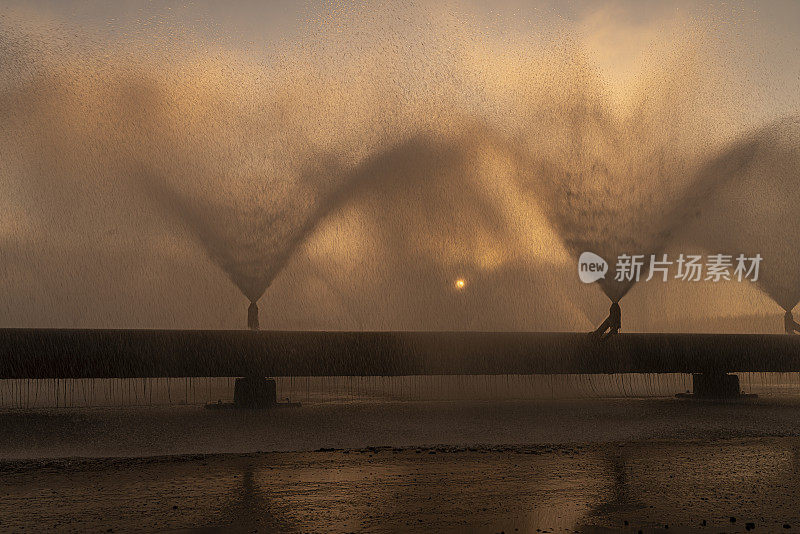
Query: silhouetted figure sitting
[612, 324]
[789, 324]
[252, 316]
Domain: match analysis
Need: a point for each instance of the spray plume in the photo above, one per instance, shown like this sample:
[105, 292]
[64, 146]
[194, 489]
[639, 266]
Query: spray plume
[251, 155]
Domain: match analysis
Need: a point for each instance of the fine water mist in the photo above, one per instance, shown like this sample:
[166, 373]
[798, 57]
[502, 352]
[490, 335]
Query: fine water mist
[616, 179]
[249, 154]
[751, 205]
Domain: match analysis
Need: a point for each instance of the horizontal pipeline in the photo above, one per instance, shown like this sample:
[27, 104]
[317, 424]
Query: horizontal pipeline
[45, 353]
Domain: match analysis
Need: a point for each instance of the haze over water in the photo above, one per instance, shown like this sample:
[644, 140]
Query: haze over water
[357, 166]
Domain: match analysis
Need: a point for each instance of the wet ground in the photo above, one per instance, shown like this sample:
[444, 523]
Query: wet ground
[580, 465]
[675, 486]
[172, 430]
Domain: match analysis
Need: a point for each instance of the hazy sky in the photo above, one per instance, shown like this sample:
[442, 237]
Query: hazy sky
[82, 246]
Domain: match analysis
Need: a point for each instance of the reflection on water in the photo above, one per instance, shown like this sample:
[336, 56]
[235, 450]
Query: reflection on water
[688, 484]
[249, 504]
[647, 485]
[618, 500]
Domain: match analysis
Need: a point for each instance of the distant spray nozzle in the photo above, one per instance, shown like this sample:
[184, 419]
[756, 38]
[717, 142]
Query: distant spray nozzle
[612, 324]
[252, 316]
[790, 326]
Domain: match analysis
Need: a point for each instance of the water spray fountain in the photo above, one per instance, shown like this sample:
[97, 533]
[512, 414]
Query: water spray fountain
[750, 204]
[250, 159]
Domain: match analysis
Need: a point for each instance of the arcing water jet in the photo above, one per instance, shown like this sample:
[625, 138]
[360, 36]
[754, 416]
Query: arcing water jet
[612, 177]
[750, 204]
[220, 144]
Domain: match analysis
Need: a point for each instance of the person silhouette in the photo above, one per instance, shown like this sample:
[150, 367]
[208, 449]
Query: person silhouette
[252, 316]
[612, 324]
[789, 324]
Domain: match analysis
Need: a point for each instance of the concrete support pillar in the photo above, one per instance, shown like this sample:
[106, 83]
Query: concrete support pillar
[716, 386]
[255, 392]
